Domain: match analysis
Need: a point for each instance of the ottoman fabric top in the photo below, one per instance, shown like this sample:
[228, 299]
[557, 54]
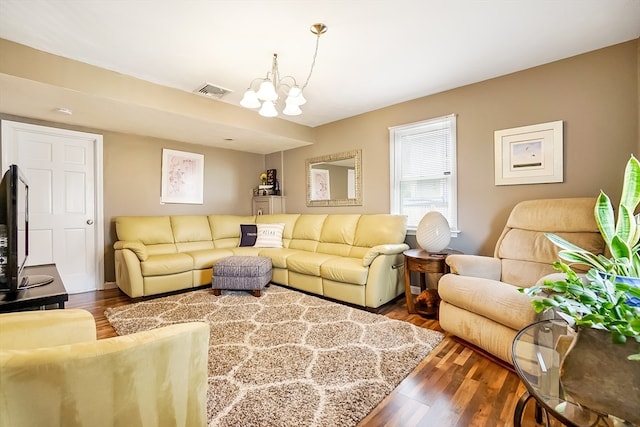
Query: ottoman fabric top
[242, 266]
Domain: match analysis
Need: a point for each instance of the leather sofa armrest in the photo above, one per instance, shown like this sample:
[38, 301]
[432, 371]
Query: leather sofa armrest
[498, 301]
[390, 249]
[475, 266]
[154, 374]
[136, 246]
[45, 328]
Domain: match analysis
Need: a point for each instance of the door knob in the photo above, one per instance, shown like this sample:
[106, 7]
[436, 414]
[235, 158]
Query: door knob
[90, 221]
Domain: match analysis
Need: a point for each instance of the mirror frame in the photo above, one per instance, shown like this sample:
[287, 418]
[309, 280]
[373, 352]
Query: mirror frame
[354, 154]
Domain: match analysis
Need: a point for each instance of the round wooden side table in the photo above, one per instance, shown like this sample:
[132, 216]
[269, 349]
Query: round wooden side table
[424, 262]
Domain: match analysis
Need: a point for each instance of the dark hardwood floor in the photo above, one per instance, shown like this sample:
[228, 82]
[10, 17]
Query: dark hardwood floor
[453, 386]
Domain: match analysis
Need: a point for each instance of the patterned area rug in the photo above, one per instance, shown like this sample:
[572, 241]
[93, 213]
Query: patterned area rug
[287, 358]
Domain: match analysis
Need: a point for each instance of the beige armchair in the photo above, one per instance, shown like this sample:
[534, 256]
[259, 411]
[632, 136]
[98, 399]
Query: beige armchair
[480, 299]
[53, 372]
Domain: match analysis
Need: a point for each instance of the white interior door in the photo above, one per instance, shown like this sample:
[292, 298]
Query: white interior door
[63, 169]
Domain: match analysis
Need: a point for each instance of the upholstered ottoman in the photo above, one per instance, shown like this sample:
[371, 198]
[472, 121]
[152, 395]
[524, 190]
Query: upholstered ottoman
[246, 273]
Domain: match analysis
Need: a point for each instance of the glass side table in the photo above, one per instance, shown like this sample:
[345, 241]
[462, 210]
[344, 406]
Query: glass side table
[537, 355]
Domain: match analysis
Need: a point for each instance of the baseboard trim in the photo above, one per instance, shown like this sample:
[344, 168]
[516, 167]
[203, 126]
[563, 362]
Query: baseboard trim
[109, 285]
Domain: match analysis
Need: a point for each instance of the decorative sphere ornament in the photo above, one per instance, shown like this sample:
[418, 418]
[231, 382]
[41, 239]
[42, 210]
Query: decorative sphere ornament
[433, 233]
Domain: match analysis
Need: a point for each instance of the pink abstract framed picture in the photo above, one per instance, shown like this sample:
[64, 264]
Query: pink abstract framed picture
[182, 177]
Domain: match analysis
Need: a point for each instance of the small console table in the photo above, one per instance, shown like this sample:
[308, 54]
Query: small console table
[538, 361]
[52, 295]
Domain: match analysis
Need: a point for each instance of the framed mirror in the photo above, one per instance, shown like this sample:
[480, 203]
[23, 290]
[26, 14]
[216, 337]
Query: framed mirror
[335, 179]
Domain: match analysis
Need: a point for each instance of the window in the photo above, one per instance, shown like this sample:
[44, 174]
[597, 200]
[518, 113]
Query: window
[423, 170]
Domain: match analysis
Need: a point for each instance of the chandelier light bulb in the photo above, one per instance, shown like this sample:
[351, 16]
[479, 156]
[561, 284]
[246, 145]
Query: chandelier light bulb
[267, 91]
[250, 99]
[295, 96]
[295, 91]
[291, 109]
[268, 109]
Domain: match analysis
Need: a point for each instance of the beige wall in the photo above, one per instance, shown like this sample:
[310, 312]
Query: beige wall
[132, 171]
[595, 94]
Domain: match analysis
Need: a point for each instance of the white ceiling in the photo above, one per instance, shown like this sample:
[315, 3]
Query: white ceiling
[375, 53]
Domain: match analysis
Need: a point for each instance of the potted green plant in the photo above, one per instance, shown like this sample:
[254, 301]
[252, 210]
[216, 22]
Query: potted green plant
[604, 306]
[592, 301]
[607, 296]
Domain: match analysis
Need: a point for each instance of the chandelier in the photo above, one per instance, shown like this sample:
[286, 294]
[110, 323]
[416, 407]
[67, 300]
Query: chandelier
[273, 86]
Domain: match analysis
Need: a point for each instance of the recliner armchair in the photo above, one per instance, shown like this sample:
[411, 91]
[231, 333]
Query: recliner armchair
[480, 299]
[53, 372]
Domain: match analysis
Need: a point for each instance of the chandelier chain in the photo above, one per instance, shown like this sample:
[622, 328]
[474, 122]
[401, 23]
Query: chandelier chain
[313, 62]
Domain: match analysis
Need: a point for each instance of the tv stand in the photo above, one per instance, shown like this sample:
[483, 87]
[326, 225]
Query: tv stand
[36, 297]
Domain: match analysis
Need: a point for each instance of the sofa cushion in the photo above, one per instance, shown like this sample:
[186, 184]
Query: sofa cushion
[225, 229]
[338, 233]
[164, 264]
[190, 228]
[340, 229]
[269, 236]
[150, 230]
[194, 246]
[306, 233]
[528, 255]
[161, 249]
[278, 256]
[248, 234]
[308, 263]
[346, 270]
[245, 251]
[526, 245]
[551, 215]
[388, 229]
[191, 232]
[206, 258]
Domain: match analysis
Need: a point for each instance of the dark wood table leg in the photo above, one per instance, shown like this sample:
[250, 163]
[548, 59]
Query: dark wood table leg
[411, 308]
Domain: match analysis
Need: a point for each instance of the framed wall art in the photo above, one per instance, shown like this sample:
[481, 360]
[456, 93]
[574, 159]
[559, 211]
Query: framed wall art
[529, 154]
[182, 177]
[320, 184]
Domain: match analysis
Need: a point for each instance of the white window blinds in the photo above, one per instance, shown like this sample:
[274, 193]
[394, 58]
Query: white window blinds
[423, 169]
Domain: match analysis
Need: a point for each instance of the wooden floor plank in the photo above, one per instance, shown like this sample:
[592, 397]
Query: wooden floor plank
[453, 386]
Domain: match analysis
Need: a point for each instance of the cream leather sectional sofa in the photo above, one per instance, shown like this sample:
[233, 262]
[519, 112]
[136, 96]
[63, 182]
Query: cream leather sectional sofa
[352, 258]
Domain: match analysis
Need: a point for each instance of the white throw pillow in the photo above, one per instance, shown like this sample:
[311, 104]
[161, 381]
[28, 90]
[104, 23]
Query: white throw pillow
[269, 236]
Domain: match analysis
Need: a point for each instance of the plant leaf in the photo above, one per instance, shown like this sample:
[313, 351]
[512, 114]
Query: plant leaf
[603, 212]
[631, 185]
[586, 258]
[618, 338]
[562, 243]
[619, 248]
[625, 226]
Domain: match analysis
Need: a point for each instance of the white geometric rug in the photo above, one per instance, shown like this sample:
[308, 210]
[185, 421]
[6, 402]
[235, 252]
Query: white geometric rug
[287, 358]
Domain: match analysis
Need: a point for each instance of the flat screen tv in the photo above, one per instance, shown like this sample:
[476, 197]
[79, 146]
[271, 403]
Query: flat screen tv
[14, 233]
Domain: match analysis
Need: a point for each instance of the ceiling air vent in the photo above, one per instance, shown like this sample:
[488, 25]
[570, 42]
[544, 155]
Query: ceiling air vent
[212, 91]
